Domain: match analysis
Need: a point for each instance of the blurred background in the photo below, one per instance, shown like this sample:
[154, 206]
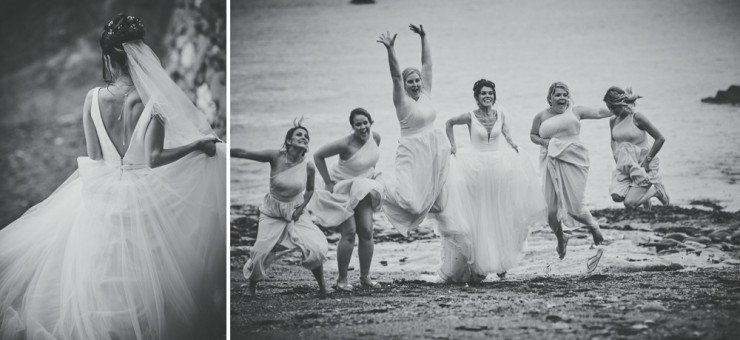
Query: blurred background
[51, 58]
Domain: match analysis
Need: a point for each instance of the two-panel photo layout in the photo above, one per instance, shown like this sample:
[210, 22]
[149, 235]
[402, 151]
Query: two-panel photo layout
[281, 169]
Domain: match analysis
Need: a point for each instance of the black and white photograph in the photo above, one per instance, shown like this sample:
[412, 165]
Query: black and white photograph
[113, 170]
[484, 169]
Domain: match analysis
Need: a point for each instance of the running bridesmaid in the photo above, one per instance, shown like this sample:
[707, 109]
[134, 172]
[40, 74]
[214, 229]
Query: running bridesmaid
[423, 152]
[351, 195]
[565, 163]
[637, 176]
[283, 225]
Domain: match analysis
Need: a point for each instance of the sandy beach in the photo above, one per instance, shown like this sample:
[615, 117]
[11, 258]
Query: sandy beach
[667, 272]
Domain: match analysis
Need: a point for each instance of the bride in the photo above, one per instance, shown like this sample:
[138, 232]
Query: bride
[494, 196]
[132, 245]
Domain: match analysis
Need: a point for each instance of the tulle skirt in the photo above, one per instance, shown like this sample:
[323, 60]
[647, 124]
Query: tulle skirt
[278, 235]
[422, 163]
[495, 196]
[120, 253]
[332, 208]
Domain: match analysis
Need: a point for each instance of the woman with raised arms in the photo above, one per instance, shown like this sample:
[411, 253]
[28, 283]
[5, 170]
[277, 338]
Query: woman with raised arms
[423, 152]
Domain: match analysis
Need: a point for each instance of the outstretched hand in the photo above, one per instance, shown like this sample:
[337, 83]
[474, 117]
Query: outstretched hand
[387, 40]
[418, 30]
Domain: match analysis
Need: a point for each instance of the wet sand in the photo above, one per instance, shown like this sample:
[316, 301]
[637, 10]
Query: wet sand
[668, 272]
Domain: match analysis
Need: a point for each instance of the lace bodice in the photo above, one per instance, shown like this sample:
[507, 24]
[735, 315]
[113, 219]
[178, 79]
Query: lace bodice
[479, 137]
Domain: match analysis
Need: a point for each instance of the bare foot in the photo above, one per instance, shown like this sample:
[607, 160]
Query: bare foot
[596, 233]
[501, 275]
[323, 294]
[562, 243]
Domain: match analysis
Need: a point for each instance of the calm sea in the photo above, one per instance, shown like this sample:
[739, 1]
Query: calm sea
[319, 59]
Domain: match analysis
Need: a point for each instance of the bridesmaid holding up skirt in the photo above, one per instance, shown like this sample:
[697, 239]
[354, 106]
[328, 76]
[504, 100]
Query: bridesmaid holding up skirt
[565, 163]
[283, 227]
[493, 194]
[637, 176]
[423, 153]
[351, 195]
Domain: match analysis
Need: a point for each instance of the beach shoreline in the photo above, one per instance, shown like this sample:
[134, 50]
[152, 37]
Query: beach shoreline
[670, 271]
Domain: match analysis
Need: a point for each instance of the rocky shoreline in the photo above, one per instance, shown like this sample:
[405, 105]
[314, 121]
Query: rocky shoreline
[666, 272]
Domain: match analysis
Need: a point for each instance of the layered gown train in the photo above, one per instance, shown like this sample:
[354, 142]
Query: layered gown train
[120, 250]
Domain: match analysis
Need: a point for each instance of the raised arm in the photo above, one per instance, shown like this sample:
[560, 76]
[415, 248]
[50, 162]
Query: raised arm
[426, 57]
[591, 113]
[326, 151]
[398, 95]
[310, 175]
[158, 155]
[534, 133]
[458, 120]
[506, 133]
[92, 142]
[643, 123]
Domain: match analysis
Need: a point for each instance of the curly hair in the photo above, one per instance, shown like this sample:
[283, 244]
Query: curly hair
[359, 112]
[123, 28]
[480, 84]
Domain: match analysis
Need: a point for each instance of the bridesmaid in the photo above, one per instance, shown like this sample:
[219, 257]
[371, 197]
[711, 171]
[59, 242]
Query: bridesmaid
[637, 176]
[493, 192]
[283, 227]
[423, 152]
[351, 195]
[565, 162]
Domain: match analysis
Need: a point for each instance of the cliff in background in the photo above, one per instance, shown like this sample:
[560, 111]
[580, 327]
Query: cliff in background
[51, 58]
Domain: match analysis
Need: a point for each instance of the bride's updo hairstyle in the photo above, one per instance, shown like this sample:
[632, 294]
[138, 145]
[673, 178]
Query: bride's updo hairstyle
[480, 84]
[123, 28]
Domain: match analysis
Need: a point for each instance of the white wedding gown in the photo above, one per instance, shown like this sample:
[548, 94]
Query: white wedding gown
[494, 198]
[120, 250]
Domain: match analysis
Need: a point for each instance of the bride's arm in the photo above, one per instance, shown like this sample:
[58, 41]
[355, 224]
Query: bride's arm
[91, 136]
[506, 133]
[158, 155]
[459, 120]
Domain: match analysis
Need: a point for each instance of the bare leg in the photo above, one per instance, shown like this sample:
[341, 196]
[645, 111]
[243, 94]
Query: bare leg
[636, 196]
[587, 219]
[557, 228]
[318, 273]
[364, 223]
[344, 252]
